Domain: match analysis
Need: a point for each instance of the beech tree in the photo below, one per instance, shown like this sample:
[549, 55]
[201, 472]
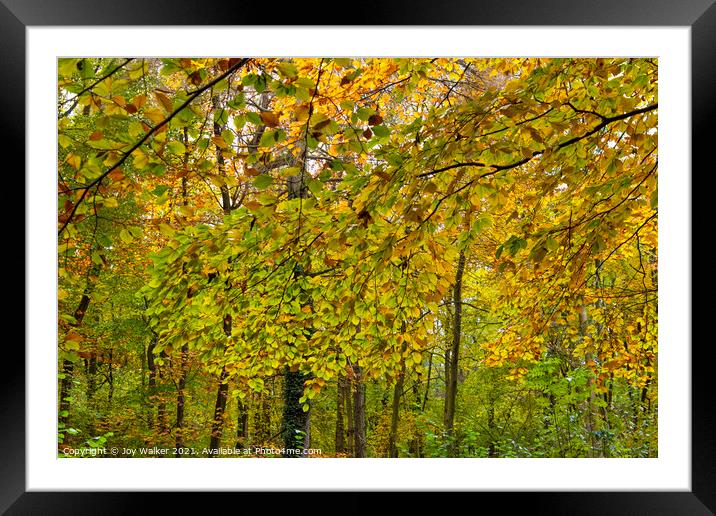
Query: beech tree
[303, 240]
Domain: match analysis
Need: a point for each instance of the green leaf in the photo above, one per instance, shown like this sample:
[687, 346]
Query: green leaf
[176, 147]
[381, 130]
[64, 140]
[221, 117]
[315, 186]
[267, 139]
[287, 69]
[125, 236]
[159, 190]
[228, 136]
[365, 113]
[263, 181]
[166, 230]
[254, 118]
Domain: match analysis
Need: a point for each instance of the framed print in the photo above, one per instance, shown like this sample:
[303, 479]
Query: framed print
[423, 254]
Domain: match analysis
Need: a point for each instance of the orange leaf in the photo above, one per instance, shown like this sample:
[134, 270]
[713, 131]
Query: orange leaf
[73, 336]
[269, 118]
[116, 175]
[139, 100]
[164, 100]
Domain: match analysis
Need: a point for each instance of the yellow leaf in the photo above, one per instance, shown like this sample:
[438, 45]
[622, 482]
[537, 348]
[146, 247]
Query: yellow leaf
[140, 159]
[155, 115]
[219, 142]
[74, 161]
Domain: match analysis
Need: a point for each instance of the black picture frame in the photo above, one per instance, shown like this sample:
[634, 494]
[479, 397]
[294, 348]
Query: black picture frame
[699, 15]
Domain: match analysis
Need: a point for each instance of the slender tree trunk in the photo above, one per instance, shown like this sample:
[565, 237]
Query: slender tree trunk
[295, 426]
[350, 430]
[266, 409]
[152, 381]
[183, 361]
[110, 377]
[491, 449]
[242, 423]
[395, 418]
[222, 391]
[446, 365]
[68, 365]
[583, 320]
[295, 420]
[181, 400]
[427, 383]
[358, 412]
[416, 442]
[340, 432]
[162, 423]
[397, 394]
[451, 394]
[219, 409]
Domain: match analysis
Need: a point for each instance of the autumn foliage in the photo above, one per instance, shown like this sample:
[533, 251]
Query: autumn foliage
[228, 226]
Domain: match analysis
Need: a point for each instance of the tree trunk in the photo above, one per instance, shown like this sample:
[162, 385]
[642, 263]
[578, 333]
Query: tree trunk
[451, 394]
[491, 449]
[397, 394]
[219, 409]
[295, 421]
[295, 426]
[427, 383]
[416, 442]
[242, 423]
[221, 395]
[583, 320]
[350, 430]
[340, 432]
[152, 381]
[358, 412]
[162, 424]
[181, 400]
[183, 372]
[68, 365]
[110, 378]
[395, 417]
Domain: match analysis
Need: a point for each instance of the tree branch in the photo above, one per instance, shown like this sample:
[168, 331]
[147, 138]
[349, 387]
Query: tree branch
[95, 83]
[144, 138]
